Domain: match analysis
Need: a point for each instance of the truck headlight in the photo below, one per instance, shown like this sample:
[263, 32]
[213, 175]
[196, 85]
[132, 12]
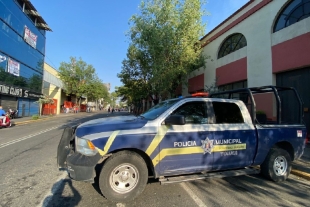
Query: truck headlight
[85, 147]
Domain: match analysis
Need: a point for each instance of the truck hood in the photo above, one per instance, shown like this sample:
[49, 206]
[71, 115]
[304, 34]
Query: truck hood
[110, 124]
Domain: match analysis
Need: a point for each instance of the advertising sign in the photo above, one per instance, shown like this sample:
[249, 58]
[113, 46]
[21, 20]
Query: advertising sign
[30, 37]
[18, 92]
[13, 67]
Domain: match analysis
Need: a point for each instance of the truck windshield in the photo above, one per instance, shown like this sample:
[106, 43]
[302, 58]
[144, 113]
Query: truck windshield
[160, 108]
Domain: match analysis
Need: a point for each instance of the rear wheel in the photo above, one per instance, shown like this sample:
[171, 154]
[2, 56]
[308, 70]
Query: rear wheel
[277, 165]
[123, 176]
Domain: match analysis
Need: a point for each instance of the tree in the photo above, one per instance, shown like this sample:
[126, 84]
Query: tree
[113, 97]
[96, 90]
[135, 77]
[164, 45]
[77, 76]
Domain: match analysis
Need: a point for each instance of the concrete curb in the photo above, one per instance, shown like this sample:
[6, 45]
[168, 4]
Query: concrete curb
[34, 120]
[301, 174]
[29, 121]
[39, 119]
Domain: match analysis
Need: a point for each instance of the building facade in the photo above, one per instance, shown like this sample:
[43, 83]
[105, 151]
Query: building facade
[52, 88]
[265, 42]
[22, 51]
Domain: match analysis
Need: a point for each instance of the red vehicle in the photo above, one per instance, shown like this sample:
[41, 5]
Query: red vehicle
[7, 122]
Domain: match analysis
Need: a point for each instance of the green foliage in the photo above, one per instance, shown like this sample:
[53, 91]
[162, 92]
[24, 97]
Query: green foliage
[76, 75]
[260, 112]
[45, 100]
[80, 79]
[164, 47]
[35, 117]
[96, 90]
[113, 98]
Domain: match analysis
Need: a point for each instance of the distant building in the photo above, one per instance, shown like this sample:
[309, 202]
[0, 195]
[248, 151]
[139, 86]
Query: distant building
[108, 85]
[22, 52]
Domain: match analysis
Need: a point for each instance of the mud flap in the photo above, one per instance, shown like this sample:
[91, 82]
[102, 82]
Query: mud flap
[66, 144]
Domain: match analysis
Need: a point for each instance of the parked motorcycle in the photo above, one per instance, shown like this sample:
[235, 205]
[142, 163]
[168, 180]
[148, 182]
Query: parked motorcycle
[13, 114]
[7, 123]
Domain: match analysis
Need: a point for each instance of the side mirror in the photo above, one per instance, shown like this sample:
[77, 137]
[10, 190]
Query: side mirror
[175, 120]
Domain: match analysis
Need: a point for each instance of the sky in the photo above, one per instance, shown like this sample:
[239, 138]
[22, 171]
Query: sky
[95, 31]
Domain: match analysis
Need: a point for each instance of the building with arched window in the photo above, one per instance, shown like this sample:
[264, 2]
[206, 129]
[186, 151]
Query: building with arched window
[265, 42]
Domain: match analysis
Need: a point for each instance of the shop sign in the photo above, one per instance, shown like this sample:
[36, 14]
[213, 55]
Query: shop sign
[18, 92]
[13, 67]
[30, 37]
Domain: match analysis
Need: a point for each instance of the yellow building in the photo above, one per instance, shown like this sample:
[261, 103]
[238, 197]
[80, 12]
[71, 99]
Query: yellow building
[52, 88]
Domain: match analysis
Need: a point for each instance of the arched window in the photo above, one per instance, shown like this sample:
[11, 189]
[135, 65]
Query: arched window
[231, 44]
[295, 11]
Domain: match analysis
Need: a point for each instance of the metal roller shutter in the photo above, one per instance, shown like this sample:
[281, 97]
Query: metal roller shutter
[8, 102]
[300, 80]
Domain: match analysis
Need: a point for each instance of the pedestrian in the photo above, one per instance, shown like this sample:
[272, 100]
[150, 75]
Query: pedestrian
[109, 109]
[87, 107]
[2, 115]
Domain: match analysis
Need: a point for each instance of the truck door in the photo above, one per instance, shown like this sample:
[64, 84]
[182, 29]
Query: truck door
[180, 149]
[235, 142]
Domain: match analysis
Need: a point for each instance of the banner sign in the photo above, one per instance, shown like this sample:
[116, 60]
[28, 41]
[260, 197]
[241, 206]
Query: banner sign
[13, 67]
[30, 37]
[18, 92]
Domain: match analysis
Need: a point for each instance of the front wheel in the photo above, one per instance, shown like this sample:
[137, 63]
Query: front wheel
[123, 176]
[9, 125]
[277, 165]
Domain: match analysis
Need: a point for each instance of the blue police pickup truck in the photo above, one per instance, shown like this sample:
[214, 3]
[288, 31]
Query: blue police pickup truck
[185, 139]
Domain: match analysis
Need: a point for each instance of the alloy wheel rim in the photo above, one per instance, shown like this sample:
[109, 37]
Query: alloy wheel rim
[280, 165]
[124, 178]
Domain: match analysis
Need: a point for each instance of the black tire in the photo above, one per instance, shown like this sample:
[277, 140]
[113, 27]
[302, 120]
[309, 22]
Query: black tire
[277, 165]
[123, 176]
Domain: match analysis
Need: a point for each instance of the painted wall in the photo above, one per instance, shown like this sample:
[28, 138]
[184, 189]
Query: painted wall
[237, 71]
[54, 91]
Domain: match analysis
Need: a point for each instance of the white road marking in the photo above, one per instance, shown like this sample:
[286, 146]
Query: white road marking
[192, 195]
[27, 137]
[49, 195]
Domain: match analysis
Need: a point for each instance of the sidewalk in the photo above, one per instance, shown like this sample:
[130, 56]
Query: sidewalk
[300, 167]
[26, 120]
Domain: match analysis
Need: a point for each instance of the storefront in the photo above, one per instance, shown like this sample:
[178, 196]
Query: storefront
[24, 101]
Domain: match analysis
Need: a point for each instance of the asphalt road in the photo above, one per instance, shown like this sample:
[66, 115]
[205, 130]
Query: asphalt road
[30, 177]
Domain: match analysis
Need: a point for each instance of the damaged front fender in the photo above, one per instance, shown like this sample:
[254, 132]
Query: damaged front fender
[66, 144]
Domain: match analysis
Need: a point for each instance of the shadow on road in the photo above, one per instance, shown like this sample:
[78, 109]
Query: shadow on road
[63, 194]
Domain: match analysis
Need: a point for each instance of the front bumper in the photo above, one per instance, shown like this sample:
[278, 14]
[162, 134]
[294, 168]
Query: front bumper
[81, 167]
